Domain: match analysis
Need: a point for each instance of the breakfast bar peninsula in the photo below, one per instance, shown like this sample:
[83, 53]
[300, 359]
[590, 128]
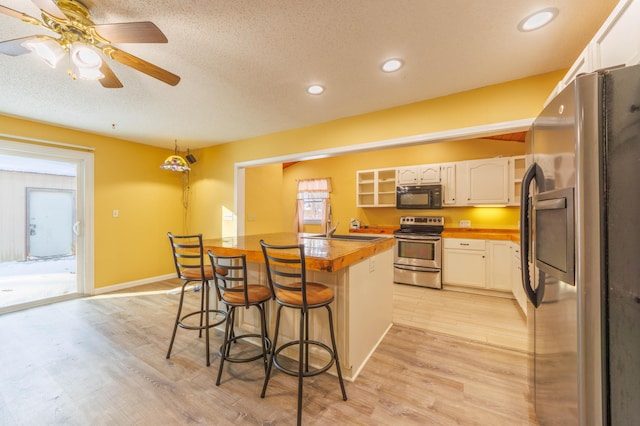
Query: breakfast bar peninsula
[359, 270]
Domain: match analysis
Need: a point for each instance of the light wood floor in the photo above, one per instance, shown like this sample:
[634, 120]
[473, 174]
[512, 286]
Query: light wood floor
[491, 320]
[101, 361]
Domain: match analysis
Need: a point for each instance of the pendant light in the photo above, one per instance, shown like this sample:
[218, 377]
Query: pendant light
[175, 163]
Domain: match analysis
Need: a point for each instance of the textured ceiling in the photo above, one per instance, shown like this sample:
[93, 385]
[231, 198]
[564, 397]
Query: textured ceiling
[244, 64]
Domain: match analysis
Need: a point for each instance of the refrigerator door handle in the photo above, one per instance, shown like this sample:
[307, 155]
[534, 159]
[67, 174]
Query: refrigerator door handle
[533, 174]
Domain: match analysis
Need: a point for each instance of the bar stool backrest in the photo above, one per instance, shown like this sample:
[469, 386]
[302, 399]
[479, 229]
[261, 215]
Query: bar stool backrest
[286, 269]
[230, 274]
[188, 256]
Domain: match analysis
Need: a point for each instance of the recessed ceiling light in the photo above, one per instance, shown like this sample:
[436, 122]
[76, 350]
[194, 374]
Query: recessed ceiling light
[315, 89]
[392, 65]
[538, 19]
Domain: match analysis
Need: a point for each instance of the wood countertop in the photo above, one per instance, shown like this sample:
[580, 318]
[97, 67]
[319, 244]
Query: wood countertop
[473, 233]
[321, 255]
[483, 234]
[375, 229]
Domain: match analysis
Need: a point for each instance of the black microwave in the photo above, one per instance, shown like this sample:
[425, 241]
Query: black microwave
[419, 197]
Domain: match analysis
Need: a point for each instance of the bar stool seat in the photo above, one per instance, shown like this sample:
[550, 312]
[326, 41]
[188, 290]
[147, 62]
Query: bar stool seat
[286, 273]
[235, 292]
[188, 258]
[317, 294]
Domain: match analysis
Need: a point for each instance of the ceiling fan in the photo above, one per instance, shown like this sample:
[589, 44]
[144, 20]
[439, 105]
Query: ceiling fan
[79, 37]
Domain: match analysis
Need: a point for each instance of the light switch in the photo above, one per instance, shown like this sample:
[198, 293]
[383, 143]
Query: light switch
[116, 213]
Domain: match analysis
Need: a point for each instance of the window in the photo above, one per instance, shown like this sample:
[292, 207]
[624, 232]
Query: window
[313, 197]
[313, 206]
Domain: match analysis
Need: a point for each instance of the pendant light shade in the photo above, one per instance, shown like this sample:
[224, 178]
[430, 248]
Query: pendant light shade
[175, 163]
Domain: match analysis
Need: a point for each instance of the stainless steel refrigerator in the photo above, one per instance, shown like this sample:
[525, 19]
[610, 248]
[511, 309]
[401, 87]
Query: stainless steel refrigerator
[580, 243]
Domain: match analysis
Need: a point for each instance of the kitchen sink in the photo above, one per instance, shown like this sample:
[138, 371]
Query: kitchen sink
[344, 237]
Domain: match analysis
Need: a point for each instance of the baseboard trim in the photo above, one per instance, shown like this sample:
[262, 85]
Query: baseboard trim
[124, 286]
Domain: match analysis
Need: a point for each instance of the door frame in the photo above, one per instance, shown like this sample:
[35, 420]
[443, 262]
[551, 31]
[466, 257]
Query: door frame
[83, 158]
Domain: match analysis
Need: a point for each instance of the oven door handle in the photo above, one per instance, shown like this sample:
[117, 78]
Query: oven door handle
[409, 237]
[416, 268]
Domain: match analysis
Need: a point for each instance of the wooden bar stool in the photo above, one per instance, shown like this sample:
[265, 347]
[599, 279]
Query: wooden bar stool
[235, 292]
[188, 258]
[286, 273]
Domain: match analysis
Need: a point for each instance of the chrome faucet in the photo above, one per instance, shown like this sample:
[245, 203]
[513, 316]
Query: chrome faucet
[332, 231]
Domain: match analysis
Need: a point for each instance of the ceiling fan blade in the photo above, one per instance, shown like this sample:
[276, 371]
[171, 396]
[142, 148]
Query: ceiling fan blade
[131, 32]
[110, 81]
[50, 7]
[15, 47]
[8, 11]
[19, 15]
[141, 65]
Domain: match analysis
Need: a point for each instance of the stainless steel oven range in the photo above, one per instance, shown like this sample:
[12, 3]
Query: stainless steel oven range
[418, 252]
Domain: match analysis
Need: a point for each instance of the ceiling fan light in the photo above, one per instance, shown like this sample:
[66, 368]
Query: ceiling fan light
[85, 63]
[47, 49]
[85, 57]
[90, 74]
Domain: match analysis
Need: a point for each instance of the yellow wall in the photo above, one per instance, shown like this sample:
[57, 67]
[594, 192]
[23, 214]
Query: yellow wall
[127, 175]
[264, 202]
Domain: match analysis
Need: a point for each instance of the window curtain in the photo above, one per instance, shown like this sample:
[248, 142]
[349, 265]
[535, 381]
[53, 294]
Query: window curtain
[307, 188]
[298, 222]
[326, 215]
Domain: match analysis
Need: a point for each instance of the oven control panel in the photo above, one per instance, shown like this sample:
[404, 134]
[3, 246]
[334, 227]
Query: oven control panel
[422, 221]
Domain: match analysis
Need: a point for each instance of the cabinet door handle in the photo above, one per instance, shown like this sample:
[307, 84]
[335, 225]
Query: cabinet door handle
[464, 244]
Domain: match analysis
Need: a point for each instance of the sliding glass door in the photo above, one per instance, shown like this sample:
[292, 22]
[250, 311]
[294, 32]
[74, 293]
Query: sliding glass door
[46, 249]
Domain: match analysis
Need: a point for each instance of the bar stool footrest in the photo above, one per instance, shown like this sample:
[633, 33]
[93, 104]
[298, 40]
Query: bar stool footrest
[311, 373]
[182, 324]
[248, 359]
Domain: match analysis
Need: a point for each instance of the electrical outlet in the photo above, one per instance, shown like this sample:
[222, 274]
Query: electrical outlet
[465, 224]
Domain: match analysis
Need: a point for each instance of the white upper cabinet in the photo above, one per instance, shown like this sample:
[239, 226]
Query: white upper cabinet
[517, 167]
[616, 43]
[429, 174]
[618, 40]
[419, 175]
[490, 181]
[407, 175]
[483, 181]
[448, 175]
[376, 188]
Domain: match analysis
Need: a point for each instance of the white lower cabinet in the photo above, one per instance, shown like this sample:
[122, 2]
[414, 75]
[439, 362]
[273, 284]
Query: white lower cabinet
[499, 261]
[478, 264]
[464, 262]
[516, 278]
